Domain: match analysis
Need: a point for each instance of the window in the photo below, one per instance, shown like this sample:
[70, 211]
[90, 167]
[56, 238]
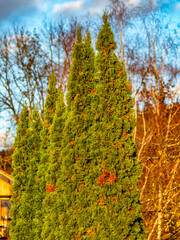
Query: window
[4, 211]
[5, 208]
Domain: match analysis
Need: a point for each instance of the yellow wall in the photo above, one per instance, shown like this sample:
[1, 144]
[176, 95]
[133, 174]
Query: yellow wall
[5, 184]
[5, 188]
[5, 191]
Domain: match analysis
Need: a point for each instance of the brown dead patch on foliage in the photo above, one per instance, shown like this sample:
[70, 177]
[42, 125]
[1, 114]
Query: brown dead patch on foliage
[117, 145]
[106, 177]
[75, 98]
[90, 232]
[119, 73]
[115, 199]
[50, 188]
[45, 124]
[129, 86]
[101, 201]
[77, 158]
[102, 164]
[92, 91]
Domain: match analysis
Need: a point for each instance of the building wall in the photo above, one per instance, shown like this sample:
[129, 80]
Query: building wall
[5, 194]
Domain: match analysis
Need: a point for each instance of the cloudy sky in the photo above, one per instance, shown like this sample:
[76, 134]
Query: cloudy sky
[34, 10]
[14, 9]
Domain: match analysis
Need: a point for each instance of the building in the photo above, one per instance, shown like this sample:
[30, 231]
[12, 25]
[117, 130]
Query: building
[5, 195]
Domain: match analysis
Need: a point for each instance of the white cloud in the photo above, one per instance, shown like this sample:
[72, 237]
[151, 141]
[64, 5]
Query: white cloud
[42, 4]
[95, 6]
[133, 2]
[69, 7]
[81, 6]
[37, 1]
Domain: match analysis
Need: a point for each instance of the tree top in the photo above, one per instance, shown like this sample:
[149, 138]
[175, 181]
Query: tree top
[105, 17]
[79, 34]
[105, 40]
[87, 39]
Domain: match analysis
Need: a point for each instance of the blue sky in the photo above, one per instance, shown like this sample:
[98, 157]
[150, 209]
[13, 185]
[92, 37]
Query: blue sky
[33, 11]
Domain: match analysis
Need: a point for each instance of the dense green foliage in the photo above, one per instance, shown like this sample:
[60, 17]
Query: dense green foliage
[115, 210]
[50, 103]
[26, 159]
[75, 158]
[45, 150]
[51, 99]
[19, 164]
[53, 171]
[56, 135]
[86, 186]
[32, 197]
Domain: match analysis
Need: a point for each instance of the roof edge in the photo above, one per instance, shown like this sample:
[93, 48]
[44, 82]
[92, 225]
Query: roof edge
[6, 177]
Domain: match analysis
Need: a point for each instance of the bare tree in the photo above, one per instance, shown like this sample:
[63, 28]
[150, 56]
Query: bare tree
[23, 68]
[160, 141]
[150, 53]
[26, 61]
[59, 37]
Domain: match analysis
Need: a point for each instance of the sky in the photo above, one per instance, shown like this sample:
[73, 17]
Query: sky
[32, 12]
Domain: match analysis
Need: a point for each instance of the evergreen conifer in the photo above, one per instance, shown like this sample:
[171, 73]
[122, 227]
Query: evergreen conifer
[53, 171]
[75, 157]
[51, 99]
[50, 105]
[32, 197]
[56, 135]
[19, 164]
[91, 187]
[115, 209]
[45, 150]
[25, 226]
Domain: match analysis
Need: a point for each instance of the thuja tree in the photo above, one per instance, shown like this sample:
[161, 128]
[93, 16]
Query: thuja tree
[50, 105]
[19, 163]
[115, 209]
[51, 99]
[75, 157]
[31, 201]
[23, 225]
[53, 171]
[56, 135]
